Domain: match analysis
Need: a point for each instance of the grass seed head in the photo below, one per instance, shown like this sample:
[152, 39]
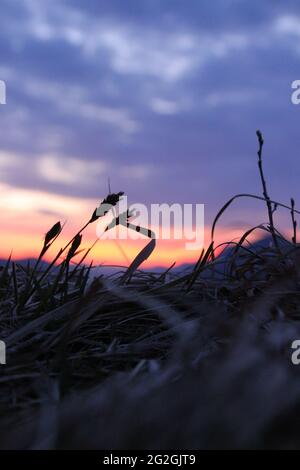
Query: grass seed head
[52, 233]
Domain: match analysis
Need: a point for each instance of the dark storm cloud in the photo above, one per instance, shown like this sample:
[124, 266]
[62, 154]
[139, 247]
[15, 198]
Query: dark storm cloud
[167, 92]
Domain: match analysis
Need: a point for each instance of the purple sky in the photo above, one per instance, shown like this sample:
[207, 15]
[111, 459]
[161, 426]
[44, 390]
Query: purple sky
[162, 96]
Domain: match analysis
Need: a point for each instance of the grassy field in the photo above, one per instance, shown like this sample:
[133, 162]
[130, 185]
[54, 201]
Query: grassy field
[193, 359]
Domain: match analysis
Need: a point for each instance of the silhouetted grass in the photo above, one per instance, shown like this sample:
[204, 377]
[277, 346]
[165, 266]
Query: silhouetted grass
[206, 350]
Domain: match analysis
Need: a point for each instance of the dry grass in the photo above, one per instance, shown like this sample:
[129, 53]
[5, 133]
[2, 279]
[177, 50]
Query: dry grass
[207, 351]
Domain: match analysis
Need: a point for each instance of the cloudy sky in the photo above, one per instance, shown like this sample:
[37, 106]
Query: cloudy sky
[162, 97]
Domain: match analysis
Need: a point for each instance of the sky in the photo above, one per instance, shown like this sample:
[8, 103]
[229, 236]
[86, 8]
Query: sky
[161, 97]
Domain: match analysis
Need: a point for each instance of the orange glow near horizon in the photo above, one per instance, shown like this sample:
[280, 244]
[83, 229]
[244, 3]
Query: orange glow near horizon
[27, 215]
